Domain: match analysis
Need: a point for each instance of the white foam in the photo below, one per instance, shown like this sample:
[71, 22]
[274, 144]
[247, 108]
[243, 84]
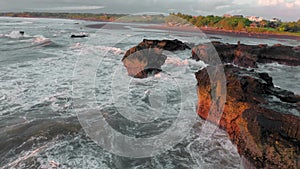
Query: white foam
[41, 40]
[85, 49]
[191, 63]
[16, 23]
[177, 61]
[14, 35]
[276, 86]
[76, 46]
[113, 50]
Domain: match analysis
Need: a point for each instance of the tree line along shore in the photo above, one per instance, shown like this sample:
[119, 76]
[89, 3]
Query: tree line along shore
[238, 23]
[235, 23]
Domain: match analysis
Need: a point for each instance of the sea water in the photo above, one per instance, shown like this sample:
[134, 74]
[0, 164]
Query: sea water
[39, 72]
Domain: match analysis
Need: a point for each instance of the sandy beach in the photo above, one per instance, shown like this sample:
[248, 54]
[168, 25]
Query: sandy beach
[213, 31]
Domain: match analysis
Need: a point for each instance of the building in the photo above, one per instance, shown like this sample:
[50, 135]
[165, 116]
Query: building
[253, 25]
[227, 16]
[275, 20]
[255, 18]
[238, 16]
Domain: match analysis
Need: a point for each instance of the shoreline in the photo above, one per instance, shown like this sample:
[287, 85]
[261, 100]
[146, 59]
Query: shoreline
[212, 31]
[209, 31]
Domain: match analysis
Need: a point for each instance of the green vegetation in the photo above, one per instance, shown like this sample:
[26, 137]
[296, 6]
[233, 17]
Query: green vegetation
[143, 18]
[236, 23]
[83, 16]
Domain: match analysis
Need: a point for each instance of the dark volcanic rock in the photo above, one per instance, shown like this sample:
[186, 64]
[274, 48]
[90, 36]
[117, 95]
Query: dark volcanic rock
[147, 57]
[262, 120]
[78, 36]
[248, 55]
[268, 137]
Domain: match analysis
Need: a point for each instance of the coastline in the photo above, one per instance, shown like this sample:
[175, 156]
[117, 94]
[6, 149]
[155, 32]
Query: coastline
[213, 31]
[256, 115]
[210, 31]
[206, 30]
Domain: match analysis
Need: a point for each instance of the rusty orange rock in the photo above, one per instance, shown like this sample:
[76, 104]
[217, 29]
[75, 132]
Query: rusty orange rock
[268, 138]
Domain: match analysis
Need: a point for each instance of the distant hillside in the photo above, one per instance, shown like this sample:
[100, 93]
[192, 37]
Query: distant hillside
[90, 16]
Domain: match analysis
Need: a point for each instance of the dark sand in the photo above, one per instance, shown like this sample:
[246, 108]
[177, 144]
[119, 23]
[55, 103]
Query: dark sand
[107, 26]
[209, 31]
[212, 31]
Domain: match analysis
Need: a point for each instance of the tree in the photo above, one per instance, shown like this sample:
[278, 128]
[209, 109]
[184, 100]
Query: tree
[240, 26]
[282, 27]
[263, 23]
[193, 21]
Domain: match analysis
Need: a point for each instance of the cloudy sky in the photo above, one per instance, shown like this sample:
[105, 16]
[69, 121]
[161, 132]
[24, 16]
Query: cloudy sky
[287, 10]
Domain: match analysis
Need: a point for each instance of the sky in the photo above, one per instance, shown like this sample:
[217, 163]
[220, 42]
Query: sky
[287, 10]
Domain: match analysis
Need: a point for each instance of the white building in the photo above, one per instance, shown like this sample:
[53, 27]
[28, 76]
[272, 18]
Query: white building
[255, 18]
[275, 20]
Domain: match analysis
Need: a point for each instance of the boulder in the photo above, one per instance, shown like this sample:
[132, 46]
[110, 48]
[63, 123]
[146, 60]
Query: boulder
[147, 57]
[79, 36]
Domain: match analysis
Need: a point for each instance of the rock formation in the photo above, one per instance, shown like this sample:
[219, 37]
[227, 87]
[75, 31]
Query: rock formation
[261, 119]
[79, 36]
[249, 55]
[257, 116]
[147, 57]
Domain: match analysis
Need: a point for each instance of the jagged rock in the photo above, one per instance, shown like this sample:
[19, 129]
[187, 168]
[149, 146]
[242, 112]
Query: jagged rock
[266, 132]
[147, 57]
[262, 120]
[248, 55]
[79, 36]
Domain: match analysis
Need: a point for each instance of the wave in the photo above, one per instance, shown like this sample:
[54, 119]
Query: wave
[33, 142]
[16, 35]
[16, 23]
[113, 50]
[40, 40]
[177, 61]
[89, 49]
[193, 65]
[18, 41]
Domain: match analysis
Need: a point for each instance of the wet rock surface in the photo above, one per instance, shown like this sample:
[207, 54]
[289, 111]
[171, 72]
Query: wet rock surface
[147, 57]
[248, 55]
[261, 119]
[267, 137]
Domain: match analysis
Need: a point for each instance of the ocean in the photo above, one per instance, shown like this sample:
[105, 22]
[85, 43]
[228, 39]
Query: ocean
[54, 88]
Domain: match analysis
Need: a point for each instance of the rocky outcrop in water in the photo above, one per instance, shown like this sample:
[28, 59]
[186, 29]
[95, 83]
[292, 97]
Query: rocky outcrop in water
[259, 118]
[79, 36]
[147, 57]
[248, 55]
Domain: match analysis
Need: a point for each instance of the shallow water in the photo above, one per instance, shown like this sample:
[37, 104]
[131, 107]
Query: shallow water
[47, 78]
